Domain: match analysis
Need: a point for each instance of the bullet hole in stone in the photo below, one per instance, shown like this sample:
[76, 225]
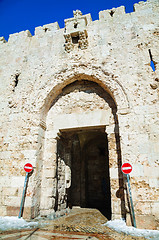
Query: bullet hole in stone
[152, 63]
[16, 81]
[45, 29]
[111, 13]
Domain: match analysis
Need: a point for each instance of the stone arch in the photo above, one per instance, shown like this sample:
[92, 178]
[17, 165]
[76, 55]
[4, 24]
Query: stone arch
[108, 81]
[110, 85]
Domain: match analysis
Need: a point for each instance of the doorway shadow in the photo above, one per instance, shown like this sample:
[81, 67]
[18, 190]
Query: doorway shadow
[85, 152]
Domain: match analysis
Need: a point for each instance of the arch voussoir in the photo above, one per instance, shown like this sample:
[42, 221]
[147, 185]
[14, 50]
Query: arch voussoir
[106, 80]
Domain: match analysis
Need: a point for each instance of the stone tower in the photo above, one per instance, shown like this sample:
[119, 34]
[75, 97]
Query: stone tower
[77, 103]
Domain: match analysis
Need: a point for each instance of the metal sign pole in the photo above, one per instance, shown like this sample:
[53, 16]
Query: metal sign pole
[132, 206]
[22, 201]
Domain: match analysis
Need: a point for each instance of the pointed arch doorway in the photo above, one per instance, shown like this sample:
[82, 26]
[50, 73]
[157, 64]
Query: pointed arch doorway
[85, 152]
[82, 115]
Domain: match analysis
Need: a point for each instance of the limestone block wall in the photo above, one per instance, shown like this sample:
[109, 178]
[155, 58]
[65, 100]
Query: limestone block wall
[112, 52]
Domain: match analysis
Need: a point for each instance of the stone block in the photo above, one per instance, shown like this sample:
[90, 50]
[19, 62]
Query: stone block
[28, 201]
[154, 183]
[49, 173]
[151, 172]
[21, 36]
[143, 222]
[14, 211]
[139, 7]
[48, 182]
[12, 201]
[47, 191]
[47, 203]
[5, 181]
[7, 191]
[137, 170]
[142, 208]
[155, 209]
[51, 27]
[114, 173]
[45, 212]
[116, 208]
[17, 181]
[97, 118]
[104, 15]
[30, 155]
[3, 211]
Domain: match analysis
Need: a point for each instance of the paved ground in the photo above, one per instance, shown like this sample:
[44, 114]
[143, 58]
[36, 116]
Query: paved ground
[79, 224]
[39, 234]
[43, 234]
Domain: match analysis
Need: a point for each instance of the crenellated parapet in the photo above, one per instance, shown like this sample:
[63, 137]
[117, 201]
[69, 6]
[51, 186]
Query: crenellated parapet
[21, 36]
[106, 15]
[75, 30]
[81, 33]
[47, 28]
[140, 8]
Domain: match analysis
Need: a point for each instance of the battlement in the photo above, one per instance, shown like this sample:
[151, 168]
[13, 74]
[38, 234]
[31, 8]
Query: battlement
[52, 27]
[141, 8]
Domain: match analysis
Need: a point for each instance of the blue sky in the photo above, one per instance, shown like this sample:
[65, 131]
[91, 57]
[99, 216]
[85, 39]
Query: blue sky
[20, 15]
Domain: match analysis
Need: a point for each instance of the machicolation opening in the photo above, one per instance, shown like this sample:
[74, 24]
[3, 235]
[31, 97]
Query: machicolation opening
[75, 39]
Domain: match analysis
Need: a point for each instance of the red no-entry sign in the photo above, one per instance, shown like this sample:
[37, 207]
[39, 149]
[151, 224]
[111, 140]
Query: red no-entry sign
[28, 167]
[126, 168]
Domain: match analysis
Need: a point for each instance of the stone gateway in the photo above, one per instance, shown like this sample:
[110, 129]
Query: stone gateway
[77, 103]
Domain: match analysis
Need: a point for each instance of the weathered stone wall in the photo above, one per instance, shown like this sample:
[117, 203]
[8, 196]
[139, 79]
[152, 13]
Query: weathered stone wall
[112, 52]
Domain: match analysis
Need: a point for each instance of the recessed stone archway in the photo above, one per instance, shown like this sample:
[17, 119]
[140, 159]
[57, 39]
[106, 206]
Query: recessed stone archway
[78, 72]
[81, 104]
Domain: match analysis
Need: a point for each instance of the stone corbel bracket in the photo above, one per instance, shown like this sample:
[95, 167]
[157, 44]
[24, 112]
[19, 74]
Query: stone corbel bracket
[83, 42]
[68, 42]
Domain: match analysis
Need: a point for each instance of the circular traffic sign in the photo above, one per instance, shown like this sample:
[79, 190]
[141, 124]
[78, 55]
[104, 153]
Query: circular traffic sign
[126, 168]
[28, 167]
